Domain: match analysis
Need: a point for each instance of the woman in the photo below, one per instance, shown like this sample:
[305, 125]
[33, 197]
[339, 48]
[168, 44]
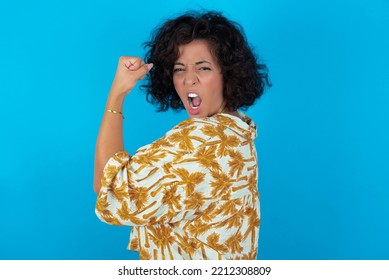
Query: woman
[191, 194]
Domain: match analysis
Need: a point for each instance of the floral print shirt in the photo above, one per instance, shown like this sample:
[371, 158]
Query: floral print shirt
[191, 194]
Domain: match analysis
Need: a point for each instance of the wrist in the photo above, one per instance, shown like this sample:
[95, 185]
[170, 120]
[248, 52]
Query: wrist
[115, 112]
[115, 101]
[119, 91]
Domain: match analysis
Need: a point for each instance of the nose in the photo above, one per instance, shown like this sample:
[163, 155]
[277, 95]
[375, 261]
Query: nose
[190, 77]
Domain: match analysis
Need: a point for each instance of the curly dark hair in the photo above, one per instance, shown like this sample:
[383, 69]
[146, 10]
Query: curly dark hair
[244, 79]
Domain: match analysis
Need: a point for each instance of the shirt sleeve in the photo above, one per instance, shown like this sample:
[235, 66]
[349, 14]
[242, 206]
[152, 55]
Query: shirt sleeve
[132, 189]
[169, 181]
[158, 184]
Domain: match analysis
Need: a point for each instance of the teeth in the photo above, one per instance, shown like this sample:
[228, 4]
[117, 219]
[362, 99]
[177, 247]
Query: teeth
[193, 107]
[192, 95]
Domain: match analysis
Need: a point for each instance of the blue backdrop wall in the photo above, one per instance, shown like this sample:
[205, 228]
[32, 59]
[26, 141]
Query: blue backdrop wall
[323, 126]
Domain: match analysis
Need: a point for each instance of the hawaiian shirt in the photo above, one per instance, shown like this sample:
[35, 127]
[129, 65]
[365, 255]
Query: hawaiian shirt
[192, 194]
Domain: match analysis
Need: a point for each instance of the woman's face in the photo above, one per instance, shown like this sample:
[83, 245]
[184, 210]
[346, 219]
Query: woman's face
[197, 80]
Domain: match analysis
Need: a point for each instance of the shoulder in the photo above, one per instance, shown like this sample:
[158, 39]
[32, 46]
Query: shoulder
[184, 137]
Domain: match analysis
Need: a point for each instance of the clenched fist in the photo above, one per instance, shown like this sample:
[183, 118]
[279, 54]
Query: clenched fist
[130, 69]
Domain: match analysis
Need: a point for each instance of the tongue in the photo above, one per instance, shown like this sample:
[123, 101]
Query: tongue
[196, 101]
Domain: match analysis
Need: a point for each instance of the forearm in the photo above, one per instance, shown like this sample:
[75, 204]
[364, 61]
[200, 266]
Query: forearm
[110, 137]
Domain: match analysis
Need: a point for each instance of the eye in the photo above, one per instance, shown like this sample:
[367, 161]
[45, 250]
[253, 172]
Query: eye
[176, 70]
[205, 68]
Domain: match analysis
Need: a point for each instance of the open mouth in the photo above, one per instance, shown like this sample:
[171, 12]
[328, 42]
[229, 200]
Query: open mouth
[194, 100]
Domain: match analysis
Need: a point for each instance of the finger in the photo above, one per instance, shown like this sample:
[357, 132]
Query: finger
[144, 70]
[124, 60]
[127, 61]
[133, 63]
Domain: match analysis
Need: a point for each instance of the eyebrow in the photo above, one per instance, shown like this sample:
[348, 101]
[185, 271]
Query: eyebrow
[196, 63]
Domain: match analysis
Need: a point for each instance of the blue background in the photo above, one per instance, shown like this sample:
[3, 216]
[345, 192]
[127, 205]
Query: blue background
[323, 126]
